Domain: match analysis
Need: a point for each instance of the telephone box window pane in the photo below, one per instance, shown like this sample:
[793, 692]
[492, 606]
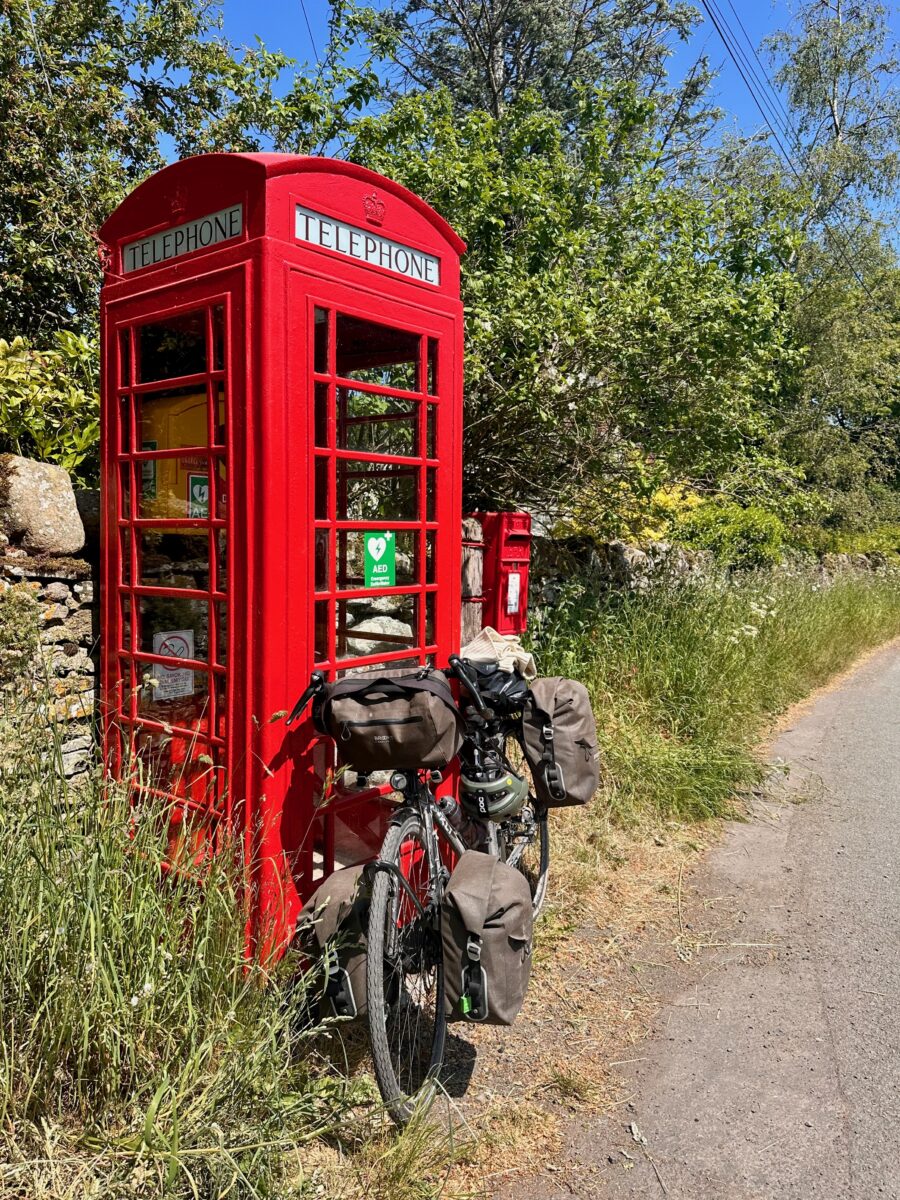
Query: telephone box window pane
[430, 574]
[321, 489]
[377, 424]
[125, 425]
[175, 487]
[431, 433]
[322, 623]
[218, 323]
[430, 600]
[219, 425]
[220, 549]
[125, 556]
[124, 357]
[221, 485]
[397, 551]
[175, 695]
[125, 621]
[174, 560]
[321, 341]
[377, 353]
[323, 558]
[375, 625]
[125, 490]
[175, 628]
[220, 684]
[177, 763]
[430, 495]
[373, 492]
[409, 663]
[173, 417]
[221, 613]
[321, 413]
[432, 367]
[174, 347]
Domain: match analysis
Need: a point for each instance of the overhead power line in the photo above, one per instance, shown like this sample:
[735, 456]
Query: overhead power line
[312, 40]
[762, 91]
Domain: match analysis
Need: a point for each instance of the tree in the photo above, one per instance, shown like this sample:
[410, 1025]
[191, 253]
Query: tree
[488, 53]
[93, 96]
[621, 331]
[837, 69]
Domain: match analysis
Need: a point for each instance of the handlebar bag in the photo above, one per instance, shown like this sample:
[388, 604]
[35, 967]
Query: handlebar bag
[391, 721]
[559, 737]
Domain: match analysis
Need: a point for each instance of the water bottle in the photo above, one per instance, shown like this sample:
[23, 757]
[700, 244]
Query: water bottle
[451, 810]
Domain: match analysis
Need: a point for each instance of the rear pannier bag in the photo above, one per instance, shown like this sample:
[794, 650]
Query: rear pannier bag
[560, 741]
[392, 720]
[331, 936]
[486, 924]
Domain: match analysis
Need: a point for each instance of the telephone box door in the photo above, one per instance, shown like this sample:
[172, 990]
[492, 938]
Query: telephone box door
[174, 374]
[383, 496]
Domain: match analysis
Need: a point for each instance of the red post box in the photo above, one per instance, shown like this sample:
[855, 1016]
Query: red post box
[282, 410]
[507, 554]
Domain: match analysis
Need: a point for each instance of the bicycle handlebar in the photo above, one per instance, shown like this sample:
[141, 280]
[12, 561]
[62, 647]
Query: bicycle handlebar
[464, 675]
[315, 685]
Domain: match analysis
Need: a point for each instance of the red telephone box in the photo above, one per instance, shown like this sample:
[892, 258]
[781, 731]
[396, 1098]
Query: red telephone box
[282, 391]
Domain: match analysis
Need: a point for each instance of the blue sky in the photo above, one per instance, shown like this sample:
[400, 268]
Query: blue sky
[281, 25]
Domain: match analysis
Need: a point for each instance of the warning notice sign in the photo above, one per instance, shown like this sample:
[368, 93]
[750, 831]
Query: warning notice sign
[173, 682]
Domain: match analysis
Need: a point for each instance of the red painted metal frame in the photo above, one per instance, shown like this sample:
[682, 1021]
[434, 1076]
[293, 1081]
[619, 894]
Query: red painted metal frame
[279, 796]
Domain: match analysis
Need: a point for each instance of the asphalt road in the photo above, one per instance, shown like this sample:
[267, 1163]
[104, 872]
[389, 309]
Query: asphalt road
[776, 1071]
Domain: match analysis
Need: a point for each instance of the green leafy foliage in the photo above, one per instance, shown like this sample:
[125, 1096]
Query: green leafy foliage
[620, 330]
[738, 537]
[89, 91]
[49, 404]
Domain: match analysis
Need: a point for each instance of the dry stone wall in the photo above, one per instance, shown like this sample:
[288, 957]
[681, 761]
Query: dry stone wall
[68, 653]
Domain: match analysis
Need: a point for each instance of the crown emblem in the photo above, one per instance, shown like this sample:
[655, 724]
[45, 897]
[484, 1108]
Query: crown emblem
[179, 202]
[374, 208]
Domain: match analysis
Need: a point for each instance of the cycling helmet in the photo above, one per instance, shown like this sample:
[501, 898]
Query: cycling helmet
[494, 795]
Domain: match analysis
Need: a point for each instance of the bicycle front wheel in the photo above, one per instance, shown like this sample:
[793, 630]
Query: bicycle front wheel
[405, 972]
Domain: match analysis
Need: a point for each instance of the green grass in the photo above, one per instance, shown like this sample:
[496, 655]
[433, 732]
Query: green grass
[141, 1056]
[685, 680]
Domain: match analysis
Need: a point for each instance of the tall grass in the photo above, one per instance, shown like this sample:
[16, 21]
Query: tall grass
[686, 679]
[140, 1053]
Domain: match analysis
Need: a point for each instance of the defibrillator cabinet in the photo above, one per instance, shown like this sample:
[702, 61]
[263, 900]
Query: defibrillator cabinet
[281, 450]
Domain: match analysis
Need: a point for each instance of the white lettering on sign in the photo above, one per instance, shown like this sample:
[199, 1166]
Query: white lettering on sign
[367, 246]
[184, 239]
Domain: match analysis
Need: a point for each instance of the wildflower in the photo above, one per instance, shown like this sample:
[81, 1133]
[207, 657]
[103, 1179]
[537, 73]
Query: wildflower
[135, 1001]
[148, 988]
[749, 631]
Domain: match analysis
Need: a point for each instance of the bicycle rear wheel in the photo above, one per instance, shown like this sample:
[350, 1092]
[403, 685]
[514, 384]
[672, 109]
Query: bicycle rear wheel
[405, 974]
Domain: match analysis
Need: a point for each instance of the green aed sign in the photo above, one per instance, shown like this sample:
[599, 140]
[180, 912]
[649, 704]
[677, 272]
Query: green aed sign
[381, 560]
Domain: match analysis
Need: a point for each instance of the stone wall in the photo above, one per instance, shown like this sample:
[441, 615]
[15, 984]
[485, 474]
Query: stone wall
[66, 610]
[41, 530]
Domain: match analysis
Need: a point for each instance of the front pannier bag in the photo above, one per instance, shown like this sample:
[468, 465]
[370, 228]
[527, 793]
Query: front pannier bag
[392, 720]
[486, 924]
[560, 737]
